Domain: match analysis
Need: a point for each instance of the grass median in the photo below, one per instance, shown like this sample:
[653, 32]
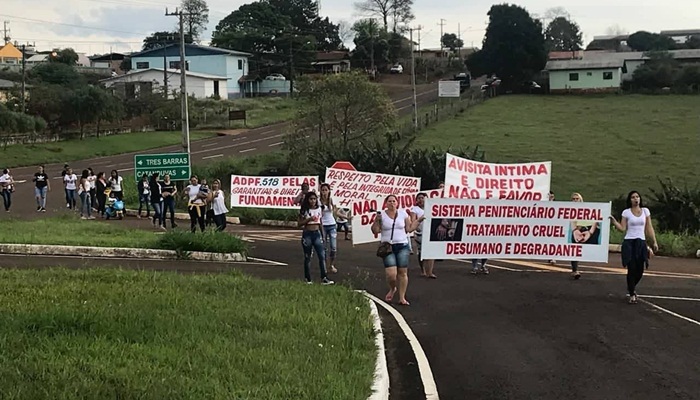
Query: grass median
[67, 230]
[111, 333]
[20, 155]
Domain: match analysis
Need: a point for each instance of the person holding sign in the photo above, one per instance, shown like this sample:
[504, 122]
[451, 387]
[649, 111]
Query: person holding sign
[310, 217]
[394, 225]
[417, 212]
[583, 232]
[636, 223]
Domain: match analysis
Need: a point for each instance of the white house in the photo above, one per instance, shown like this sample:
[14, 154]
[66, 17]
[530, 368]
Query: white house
[585, 76]
[198, 85]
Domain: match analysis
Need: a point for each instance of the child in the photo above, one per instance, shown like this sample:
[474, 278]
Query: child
[344, 217]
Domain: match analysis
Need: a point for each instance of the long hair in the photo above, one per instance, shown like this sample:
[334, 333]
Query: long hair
[154, 179]
[305, 206]
[629, 199]
[329, 202]
[85, 174]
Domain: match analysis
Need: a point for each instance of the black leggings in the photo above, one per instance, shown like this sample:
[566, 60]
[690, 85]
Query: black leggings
[197, 214]
[635, 271]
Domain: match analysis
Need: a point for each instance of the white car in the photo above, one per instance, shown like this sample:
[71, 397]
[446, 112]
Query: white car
[275, 77]
[396, 69]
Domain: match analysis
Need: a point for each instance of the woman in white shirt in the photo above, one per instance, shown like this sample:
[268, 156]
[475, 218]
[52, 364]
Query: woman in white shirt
[330, 228]
[394, 224]
[70, 183]
[636, 223]
[195, 205]
[92, 178]
[310, 216]
[7, 184]
[218, 204]
[84, 194]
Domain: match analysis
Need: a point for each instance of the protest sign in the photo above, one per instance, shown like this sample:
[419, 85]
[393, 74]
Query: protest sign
[470, 228]
[269, 191]
[362, 223]
[468, 179]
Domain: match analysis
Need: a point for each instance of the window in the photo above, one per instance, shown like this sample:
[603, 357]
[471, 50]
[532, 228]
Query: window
[142, 65]
[589, 73]
[607, 75]
[240, 64]
[573, 76]
[176, 65]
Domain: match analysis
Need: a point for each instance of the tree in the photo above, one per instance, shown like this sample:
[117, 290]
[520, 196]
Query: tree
[56, 73]
[163, 38]
[693, 42]
[339, 110]
[397, 11]
[563, 35]
[371, 44]
[513, 47]
[65, 56]
[451, 41]
[646, 41]
[401, 13]
[196, 22]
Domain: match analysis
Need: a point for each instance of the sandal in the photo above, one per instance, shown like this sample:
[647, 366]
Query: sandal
[390, 296]
[404, 303]
[633, 299]
[333, 269]
[433, 276]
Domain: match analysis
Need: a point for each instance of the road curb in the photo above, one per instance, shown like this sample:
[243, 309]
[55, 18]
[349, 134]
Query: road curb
[186, 217]
[90, 251]
[380, 386]
[285, 224]
[615, 248]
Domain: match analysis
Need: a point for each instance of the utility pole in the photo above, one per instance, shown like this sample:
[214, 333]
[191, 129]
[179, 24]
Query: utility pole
[6, 32]
[413, 80]
[183, 81]
[442, 24]
[291, 69]
[24, 78]
[371, 41]
[165, 71]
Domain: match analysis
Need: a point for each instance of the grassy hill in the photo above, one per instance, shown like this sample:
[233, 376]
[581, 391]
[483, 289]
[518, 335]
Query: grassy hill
[600, 146]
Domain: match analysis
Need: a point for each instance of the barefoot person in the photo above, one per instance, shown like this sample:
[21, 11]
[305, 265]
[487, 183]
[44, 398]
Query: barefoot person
[395, 224]
[636, 223]
[310, 216]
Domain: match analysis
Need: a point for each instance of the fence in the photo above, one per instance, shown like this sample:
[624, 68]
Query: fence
[444, 109]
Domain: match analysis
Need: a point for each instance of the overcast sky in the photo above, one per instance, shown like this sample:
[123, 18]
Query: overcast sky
[121, 25]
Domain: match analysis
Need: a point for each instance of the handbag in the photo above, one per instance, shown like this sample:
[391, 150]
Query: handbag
[384, 248]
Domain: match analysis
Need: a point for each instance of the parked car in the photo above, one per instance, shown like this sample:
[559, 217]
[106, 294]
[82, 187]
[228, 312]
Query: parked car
[464, 81]
[396, 69]
[275, 77]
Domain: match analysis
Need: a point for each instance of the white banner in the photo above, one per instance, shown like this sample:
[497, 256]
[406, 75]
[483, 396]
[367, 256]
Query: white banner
[449, 89]
[464, 228]
[362, 223]
[269, 191]
[467, 179]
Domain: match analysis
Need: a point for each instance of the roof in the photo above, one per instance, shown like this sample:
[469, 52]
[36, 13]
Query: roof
[638, 55]
[108, 57]
[170, 71]
[332, 55]
[683, 32]
[565, 55]
[10, 51]
[190, 50]
[567, 65]
[5, 84]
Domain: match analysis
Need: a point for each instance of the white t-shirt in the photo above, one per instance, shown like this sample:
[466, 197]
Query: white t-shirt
[400, 235]
[219, 203]
[343, 215]
[84, 187]
[70, 181]
[419, 213]
[314, 213]
[91, 179]
[636, 225]
[5, 180]
[328, 218]
[192, 192]
[116, 183]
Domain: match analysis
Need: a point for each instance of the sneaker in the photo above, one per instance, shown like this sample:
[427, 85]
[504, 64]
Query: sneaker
[633, 299]
[83, 218]
[309, 282]
[327, 281]
[576, 275]
[38, 209]
[484, 270]
[475, 271]
[67, 205]
[43, 209]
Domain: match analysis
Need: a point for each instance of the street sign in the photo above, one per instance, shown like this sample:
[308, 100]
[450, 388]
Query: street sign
[448, 89]
[177, 165]
[346, 165]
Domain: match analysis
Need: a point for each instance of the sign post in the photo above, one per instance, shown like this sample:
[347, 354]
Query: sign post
[177, 165]
[449, 89]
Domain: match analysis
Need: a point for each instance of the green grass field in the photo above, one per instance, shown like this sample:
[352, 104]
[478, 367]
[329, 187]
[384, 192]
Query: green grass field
[71, 231]
[600, 146]
[19, 155]
[110, 333]
[260, 111]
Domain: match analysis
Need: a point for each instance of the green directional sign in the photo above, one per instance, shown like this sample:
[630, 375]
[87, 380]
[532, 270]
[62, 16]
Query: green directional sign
[177, 165]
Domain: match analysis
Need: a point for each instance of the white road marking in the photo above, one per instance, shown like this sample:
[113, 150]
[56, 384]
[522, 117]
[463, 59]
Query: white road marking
[380, 386]
[247, 150]
[214, 156]
[499, 267]
[669, 312]
[426, 374]
[646, 296]
[275, 144]
[264, 261]
[210, 144]
[417, 95]
[237, 144]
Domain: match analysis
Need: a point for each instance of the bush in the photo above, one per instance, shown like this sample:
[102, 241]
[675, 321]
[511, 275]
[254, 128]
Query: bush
[670, 244]
[208, 241]
[676, 208]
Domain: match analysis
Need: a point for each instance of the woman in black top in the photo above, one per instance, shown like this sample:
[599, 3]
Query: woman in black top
[168, 191]
[100, 187]
[156, 201]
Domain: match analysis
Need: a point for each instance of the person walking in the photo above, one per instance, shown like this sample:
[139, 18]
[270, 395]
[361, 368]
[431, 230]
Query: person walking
[479, 266]
[7, 184]
[156, 200]
[394, 225]
[70, 183]
[196, 204]
[42, 185]
[144, 190]
[637, 226]
[101, 186]
[84, 194]
[310, 217]
[168, 191]
[92, 178]
[330, 229]
[218, 205]
[582, 232]
[418, 212]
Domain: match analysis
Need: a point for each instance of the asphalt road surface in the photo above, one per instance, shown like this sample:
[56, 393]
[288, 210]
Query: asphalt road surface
[526, 331]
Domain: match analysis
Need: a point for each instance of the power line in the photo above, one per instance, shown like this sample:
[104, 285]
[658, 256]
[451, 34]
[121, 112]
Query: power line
[71, 25]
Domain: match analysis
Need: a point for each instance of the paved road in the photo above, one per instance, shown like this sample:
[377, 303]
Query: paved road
[526, 331]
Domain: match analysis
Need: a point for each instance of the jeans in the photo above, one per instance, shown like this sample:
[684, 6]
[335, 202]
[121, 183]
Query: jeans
[574, 266]
[70, 198]
[145, 199]
[7, 198]
[85, 206]
[157, 213]
[398, 257]
[168, 204]
[40, 194]
[312, 240]
[331, 238]
[479, 263]
[220, 221]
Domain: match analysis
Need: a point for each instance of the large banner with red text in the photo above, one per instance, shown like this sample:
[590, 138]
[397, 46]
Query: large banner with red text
[467, 179]
[269, 191]
[544, 230]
